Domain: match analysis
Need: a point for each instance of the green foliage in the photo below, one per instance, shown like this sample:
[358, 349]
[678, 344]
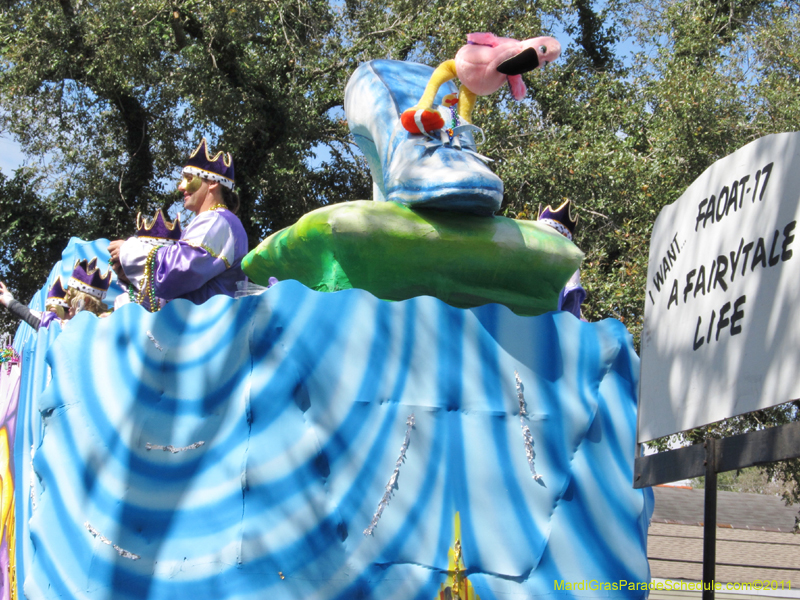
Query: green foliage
[752, 480]
[111, 96]
[33, 232]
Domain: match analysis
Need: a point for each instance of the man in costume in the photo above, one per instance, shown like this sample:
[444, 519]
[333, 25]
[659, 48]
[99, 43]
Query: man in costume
[560, 219]
[206, 261]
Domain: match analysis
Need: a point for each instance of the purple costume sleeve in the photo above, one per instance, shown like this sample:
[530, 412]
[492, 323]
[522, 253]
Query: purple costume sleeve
[205, 262]
[182, 269]
[572, 295]
[48, 318]
[570, 299]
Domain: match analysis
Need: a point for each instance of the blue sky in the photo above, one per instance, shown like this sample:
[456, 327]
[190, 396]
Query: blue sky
[11, 156]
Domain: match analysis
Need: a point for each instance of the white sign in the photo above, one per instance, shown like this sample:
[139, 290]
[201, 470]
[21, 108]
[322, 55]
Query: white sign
[722, 318]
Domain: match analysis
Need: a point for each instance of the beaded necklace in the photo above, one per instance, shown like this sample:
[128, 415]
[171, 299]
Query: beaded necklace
[453, 124]
[9, 356]
[218, 206]
[147, 290]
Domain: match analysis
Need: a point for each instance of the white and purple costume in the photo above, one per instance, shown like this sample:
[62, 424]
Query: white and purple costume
[206, 261]
[572, 295]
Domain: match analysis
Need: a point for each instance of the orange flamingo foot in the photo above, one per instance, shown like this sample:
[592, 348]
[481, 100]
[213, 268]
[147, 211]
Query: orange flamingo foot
[416, 120]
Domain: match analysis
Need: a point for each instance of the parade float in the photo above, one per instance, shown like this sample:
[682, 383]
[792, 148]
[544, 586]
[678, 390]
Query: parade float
[404, 415]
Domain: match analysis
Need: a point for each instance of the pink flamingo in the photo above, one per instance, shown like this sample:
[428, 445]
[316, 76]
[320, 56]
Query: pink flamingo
[483, 66]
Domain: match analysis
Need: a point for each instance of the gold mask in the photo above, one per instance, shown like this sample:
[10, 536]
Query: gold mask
[191, 183]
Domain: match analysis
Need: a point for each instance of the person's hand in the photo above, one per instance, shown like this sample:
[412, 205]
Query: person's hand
[114, 249]
[5, 296]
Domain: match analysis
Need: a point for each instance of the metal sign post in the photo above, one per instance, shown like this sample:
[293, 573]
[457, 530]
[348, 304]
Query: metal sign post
[710, 520]
[712, 457]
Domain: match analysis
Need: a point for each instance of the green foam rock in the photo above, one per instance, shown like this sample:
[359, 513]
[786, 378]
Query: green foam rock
[397, 253]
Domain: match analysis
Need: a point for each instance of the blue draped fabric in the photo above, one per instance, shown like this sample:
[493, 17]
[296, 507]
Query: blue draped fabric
[239, 449]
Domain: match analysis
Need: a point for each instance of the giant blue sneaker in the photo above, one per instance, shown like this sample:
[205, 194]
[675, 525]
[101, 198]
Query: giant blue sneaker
[415, 170]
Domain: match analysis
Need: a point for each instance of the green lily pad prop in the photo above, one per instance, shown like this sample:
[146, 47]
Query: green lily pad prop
[397, 253]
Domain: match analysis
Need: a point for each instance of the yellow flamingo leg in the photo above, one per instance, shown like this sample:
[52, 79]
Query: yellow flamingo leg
[466, 102]
[443, 73]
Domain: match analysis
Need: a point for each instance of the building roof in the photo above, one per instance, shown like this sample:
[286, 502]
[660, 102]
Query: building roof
[684, 506]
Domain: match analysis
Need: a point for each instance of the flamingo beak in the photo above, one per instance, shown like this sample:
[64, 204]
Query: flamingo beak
[525, 61]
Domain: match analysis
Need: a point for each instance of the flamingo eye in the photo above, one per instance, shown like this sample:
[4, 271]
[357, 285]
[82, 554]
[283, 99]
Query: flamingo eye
[543, 49]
